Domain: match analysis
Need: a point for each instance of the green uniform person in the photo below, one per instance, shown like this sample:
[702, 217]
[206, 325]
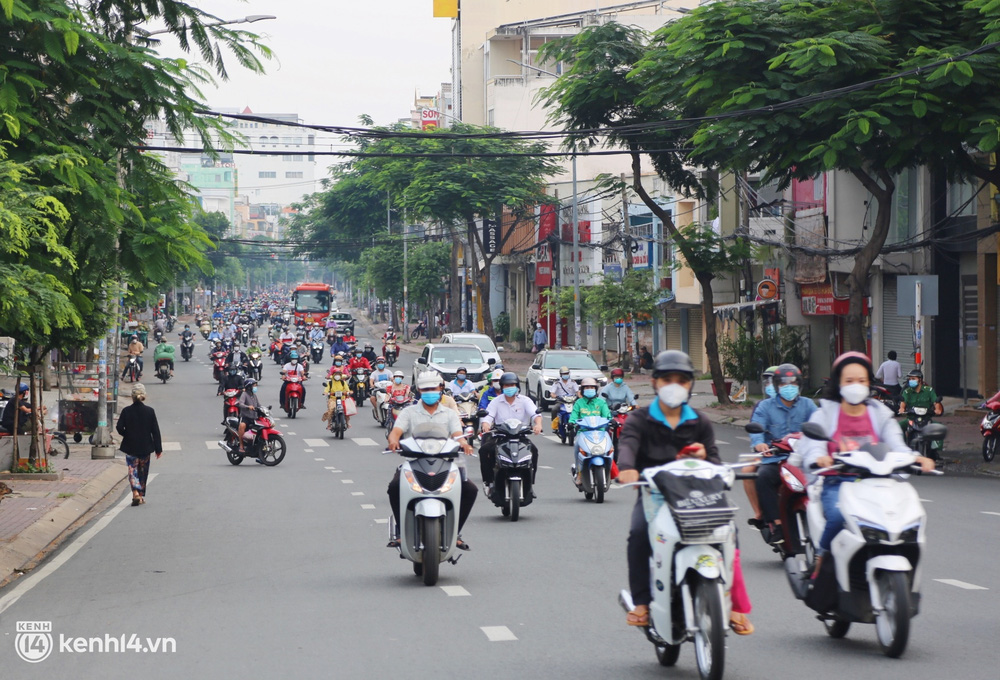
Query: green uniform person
[589, 404]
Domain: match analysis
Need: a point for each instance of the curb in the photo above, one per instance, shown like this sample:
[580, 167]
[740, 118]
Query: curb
[47, 530]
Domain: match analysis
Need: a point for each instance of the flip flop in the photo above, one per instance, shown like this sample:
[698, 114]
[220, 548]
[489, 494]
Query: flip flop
[462, 545]
[742, 625]
[635, 618]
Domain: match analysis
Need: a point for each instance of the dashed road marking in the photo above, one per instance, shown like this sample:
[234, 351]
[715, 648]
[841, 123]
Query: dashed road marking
[331, 467]
[320, 460]
[546, 467]
[924, 500]
[307, 451]
[364, 441]
[170, 446]
[316, 443]
[742, 438]
[959, 584]
[347, 481]
[552, 438]
[455, 591]
[382, 520]
[292, 434]
[357, 493]
[498, 633]
[367, 506]
[719, 441]
[987, 512]
[212, 444]
[335, 471]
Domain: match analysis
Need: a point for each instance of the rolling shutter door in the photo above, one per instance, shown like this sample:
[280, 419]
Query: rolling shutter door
[897, 331]
[673, 323]
[696, 335]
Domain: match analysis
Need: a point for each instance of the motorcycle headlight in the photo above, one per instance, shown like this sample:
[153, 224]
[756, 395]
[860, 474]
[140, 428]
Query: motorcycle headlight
[791, 480]
[504, 458]
[412, 481]
[872, 533]
[910, 533]
[452, 478]
[598, 449]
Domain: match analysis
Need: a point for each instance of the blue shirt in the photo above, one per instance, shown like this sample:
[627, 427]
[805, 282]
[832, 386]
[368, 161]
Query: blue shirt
[656, 413]
[780, 420]
[488, 396]
[618, 394]
[539, 337]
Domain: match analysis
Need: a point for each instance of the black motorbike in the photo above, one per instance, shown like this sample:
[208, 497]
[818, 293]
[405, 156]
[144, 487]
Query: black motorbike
[187, 346]
[927, 444]
[512, 476]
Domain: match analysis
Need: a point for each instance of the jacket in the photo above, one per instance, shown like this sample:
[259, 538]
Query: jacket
[647, 442]
[139, 430]
[595, 406]
[780, 420]
[828, 415]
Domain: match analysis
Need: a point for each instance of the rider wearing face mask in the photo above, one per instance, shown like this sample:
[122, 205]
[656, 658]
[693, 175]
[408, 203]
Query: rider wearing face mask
[380, 374]
[248, 405]
[461, 384]
[654, 435]
[919, 394]
[491, 391]
[617, 392]
[293, 367]
[780, 415]
[589, 404]
[510, 405]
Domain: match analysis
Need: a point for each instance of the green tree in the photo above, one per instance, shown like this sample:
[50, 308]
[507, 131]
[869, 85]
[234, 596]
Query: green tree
[427, 263]
[629, 297]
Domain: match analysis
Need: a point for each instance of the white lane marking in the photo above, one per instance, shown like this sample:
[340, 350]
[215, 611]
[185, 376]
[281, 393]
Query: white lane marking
[367, 506]
[455, 591]
[719, 441]
[987, 512]
[952, 582]
[742, 438]
[546, 467]
[383, 520]
[347, 481]
[171, 446]
[552, 438]
[335, 470]
[357, 493]
[316, 443]
[307, 451]
[292, 434]
[320, 460]
[36, 576]
[924, 500]
[331, 467]
[364, 441]
[498, 633]
[212, 444]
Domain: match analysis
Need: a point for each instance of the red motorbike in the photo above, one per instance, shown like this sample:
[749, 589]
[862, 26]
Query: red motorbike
[260, 441]
[792, 496]
[990, 427]
[293, 395]
[230, 408]
[618, 414]
[218, 365]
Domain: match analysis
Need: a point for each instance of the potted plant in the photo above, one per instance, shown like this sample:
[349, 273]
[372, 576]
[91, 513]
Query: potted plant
[742, 358]
[518, 337]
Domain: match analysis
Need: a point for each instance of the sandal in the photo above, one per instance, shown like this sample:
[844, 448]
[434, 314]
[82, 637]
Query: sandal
[136, 500]
[740, 624]
[394, 543]
[462, 545]
[638, 616]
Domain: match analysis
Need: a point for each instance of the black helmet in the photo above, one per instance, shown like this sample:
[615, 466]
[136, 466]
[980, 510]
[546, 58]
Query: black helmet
[672, 361]
[462, 369]
[368, 345]
[509, 378]
[915, 373]
[248, 383]
[787, 374]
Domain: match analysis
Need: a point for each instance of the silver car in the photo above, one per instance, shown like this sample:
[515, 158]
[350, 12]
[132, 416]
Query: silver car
[544, 372]
[483, 342]
[446, 360]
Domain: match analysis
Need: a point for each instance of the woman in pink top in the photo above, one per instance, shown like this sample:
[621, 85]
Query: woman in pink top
[854, 421]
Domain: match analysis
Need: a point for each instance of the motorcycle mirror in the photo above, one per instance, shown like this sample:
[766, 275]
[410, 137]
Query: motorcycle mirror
[754, 428]
[540, 410]
[491, 361]
[815, 431]
[482, 413]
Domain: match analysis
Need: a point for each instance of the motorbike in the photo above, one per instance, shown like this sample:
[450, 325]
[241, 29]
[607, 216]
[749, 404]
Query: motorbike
[917, 437]
[693, 537]
[293, 395]
[792, 498]
[158, 336]
[359, 384]
[245, 334]
[430, 493]
[187, 347]
[218, 364]
[338, 416]
[255, 365]
[397, 402]
[316, 349]
[567, 431]
[883, 393]
[261, 440]
[390, 352]
[594, 455]
[619, 412]
[989, 427]
[380, 411]
[873, 572]
[132, 368]
[171, 320]
[468, 411]
[512, 476]
[163, 370]
[230, 405]
[420, 329]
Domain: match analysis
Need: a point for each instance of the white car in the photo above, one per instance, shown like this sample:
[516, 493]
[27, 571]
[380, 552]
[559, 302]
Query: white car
[544, 372]
[446, 360]
[483, 342]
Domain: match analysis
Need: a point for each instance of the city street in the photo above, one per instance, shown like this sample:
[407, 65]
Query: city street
[283, 572]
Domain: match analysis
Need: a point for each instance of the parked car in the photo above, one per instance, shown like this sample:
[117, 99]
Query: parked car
[483, 342]
[345, 322]
[544, 373]
[446, 359]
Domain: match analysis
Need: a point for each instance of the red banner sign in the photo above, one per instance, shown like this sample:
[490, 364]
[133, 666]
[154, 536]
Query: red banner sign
[818, 300]
[543, 266]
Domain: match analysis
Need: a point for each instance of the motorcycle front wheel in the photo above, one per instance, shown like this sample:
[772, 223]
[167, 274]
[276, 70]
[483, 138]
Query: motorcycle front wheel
[273, 450]
[599, 484]
[515, 499]
[667, 654]
[293, 406]
[990, 448]
[709, 640]
[892, 626]
[431, 558]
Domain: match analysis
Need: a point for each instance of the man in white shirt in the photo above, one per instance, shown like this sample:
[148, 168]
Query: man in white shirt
[509, 405]
[890, 373]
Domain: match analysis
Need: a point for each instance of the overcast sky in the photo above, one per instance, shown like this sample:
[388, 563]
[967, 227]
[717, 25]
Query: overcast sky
[337, 59]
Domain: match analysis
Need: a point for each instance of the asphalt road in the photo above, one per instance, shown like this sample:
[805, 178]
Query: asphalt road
[282, 572]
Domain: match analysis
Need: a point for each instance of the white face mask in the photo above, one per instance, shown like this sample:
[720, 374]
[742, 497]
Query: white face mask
[672, 395]
[855, 393]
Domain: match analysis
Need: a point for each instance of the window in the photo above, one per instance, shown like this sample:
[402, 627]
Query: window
[293, 158]
[274, 140]
[263, 140]
[267, 174]
[574, 360]
[962, 199]
[293, 175]
[490, 118]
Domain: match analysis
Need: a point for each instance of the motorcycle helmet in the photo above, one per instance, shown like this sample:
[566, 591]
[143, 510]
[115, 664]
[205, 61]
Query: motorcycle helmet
[248, 383]
[510, 378]
[379, 360]
[22, 388]
[617, 373]
[916, 373]
[672, 361]
[588, 382]
[563, 370]
[428, 380]
[398, 374]
[293, 355]
[787, 374]
[368, 345]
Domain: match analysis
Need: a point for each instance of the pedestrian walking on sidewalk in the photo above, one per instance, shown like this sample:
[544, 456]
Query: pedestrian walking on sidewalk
[140, 438]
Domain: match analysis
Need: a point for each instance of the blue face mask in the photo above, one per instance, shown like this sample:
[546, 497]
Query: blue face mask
[509, 391]
[380, 366]
[590, 393]
[460, 379]
[912, 383]
[430, 398]
[789, 392]
[770, 391]
[398, 381]
[619, 381]
[255, 389]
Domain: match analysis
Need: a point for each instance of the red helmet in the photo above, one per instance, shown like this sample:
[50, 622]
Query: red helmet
[617, 373]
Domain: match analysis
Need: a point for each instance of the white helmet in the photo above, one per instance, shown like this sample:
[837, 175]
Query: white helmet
[428, 379]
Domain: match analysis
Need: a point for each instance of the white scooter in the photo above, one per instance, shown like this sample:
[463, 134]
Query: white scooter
[430, 494]
[381, 409]
[874, 573]
[693, 537]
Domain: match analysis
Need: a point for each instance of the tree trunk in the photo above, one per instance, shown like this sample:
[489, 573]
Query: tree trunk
[483, 282]
[864, 260]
